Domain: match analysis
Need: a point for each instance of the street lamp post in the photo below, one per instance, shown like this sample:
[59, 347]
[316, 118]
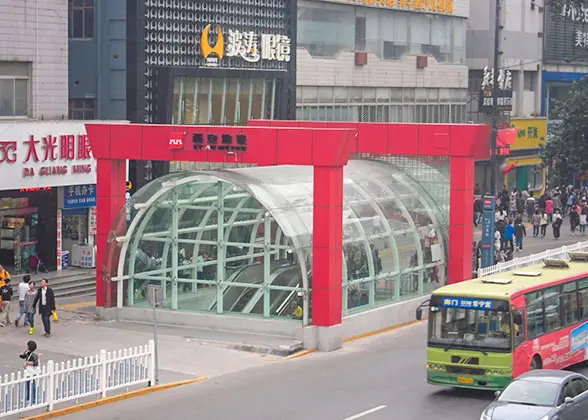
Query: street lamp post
[495, 88]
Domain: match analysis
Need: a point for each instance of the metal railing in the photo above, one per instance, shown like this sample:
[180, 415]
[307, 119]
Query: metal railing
[56, 383]
[557, 253]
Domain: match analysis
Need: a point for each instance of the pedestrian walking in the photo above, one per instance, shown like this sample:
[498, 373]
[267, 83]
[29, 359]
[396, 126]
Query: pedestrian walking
[509, 232]
[4, 275]
[583, 220]
[520, 233]
[574, 218]
[46, 300]
[543, 224]
[6, 293]
[29, 307]
[549, 208]
[23, 288]
[536, 220]
[32, 369]
[557, 222]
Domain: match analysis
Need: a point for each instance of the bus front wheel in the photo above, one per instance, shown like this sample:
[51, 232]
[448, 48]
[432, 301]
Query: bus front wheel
[536, 363]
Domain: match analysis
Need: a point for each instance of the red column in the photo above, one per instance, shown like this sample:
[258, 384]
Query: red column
[110, 206]
[327, 246]
[461, 219]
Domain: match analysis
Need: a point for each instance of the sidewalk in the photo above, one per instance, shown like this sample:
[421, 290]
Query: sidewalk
[182, 353]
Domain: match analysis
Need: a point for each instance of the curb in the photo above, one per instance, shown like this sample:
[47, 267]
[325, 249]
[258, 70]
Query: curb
[358, 337]
[110, 400]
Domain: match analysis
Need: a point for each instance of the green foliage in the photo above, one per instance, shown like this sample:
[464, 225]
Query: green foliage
[566, 151]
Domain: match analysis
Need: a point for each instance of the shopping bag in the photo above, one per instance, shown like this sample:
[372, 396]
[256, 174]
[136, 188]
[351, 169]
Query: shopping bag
[55, 317]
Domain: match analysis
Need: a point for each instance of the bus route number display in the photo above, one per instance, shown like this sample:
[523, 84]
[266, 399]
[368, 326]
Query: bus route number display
[462, 303]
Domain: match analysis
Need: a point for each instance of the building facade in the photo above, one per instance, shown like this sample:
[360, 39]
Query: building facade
[565, 54]
[33, 60]
[382, 61]
[521, 46]
[97, 59]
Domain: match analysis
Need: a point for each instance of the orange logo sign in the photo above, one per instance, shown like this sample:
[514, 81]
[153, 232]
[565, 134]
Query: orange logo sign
[218, 48]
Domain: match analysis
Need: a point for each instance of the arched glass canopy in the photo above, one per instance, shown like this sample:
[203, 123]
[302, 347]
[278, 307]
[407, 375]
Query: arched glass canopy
[240, 241]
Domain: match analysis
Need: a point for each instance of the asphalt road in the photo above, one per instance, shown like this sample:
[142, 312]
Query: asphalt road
[381, 377]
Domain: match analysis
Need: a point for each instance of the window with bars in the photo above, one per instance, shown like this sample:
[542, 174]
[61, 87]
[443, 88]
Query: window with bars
[81, 19]
[81, 109]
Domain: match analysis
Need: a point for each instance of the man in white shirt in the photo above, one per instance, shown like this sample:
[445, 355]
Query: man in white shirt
[23, 288]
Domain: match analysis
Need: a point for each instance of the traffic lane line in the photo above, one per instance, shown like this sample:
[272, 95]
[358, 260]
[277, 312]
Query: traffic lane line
[110, 400]
[366, 412]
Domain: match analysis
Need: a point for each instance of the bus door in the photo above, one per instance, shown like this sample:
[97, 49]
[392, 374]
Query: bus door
[522, 349]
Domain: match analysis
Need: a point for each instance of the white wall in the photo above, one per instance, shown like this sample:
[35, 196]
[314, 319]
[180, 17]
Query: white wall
[35, 31]
[342, 71]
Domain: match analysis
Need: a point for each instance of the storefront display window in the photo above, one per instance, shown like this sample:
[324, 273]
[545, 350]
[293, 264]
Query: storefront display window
[18, 233]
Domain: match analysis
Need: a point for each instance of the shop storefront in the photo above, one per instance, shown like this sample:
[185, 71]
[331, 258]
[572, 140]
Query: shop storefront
[209, 62]
[526, 170]
[47, 192]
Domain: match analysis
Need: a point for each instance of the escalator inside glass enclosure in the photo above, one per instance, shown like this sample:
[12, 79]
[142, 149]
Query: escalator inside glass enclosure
[240, 241]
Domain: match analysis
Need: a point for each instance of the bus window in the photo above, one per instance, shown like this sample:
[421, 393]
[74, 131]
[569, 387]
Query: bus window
[552, 308]
[535, 325]
[570, 304]
[518, 317]
[583, 284]
[475, 328]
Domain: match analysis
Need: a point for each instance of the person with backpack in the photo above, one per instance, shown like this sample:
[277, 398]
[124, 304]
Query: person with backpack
[520, 233]
[6, 294]
[32, 368]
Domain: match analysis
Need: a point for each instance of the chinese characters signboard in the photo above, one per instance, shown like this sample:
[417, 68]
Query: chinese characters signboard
[488, 232]
[92, 221]
[79, 196]
[226, 142]
[40, 154]
[566, 34]
[467, 303]
[429, 6]
[532, 133]
[247, 45]
[503, 94]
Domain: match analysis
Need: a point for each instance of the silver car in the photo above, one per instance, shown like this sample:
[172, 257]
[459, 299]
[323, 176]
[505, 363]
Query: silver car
[541, 395]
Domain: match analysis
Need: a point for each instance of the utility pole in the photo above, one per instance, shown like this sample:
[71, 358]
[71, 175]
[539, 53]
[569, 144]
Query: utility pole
[495, 89]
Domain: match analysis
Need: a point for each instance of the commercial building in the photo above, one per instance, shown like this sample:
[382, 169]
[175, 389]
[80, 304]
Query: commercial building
[382, 61]
[208, 62]
[565, 54]
[520, 49]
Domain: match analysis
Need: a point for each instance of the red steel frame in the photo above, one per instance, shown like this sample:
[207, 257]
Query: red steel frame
[325, 146]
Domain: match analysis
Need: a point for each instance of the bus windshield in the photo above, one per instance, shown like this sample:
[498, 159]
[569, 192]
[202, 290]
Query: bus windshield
[470, 328]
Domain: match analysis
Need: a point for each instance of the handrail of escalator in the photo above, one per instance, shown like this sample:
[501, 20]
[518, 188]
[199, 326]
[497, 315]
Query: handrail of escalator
[231, 279]
[255, 298]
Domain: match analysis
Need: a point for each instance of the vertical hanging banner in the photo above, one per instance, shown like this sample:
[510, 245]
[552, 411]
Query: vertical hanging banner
[488, 232]
[59, 243]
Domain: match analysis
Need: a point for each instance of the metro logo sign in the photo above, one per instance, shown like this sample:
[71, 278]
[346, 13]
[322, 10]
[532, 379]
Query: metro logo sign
[176, 140]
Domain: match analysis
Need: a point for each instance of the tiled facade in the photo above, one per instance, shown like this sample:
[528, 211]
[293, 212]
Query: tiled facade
[33, 48]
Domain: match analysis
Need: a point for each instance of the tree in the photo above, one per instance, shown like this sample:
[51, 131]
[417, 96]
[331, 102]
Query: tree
[566, 151]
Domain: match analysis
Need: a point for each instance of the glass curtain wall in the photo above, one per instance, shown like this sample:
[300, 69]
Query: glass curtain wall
[325, 30]
[223, 101]
[240, 241]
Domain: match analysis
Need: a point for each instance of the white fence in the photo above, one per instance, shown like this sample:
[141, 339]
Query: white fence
[557, 253]
[60, 382]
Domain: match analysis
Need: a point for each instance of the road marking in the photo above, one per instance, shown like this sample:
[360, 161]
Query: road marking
[365, 413]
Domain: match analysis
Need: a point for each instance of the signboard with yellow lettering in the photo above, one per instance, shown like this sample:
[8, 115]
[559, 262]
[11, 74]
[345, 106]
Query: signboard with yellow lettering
[448, 7]
[532, 133]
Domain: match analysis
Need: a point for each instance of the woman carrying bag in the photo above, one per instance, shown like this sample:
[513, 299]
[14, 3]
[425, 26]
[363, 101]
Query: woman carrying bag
[32, 369]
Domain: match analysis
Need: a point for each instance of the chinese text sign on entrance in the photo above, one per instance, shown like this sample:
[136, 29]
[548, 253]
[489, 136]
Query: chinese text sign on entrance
[488, 232]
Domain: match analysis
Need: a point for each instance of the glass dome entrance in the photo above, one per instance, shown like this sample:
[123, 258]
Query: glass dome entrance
[240, 241]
